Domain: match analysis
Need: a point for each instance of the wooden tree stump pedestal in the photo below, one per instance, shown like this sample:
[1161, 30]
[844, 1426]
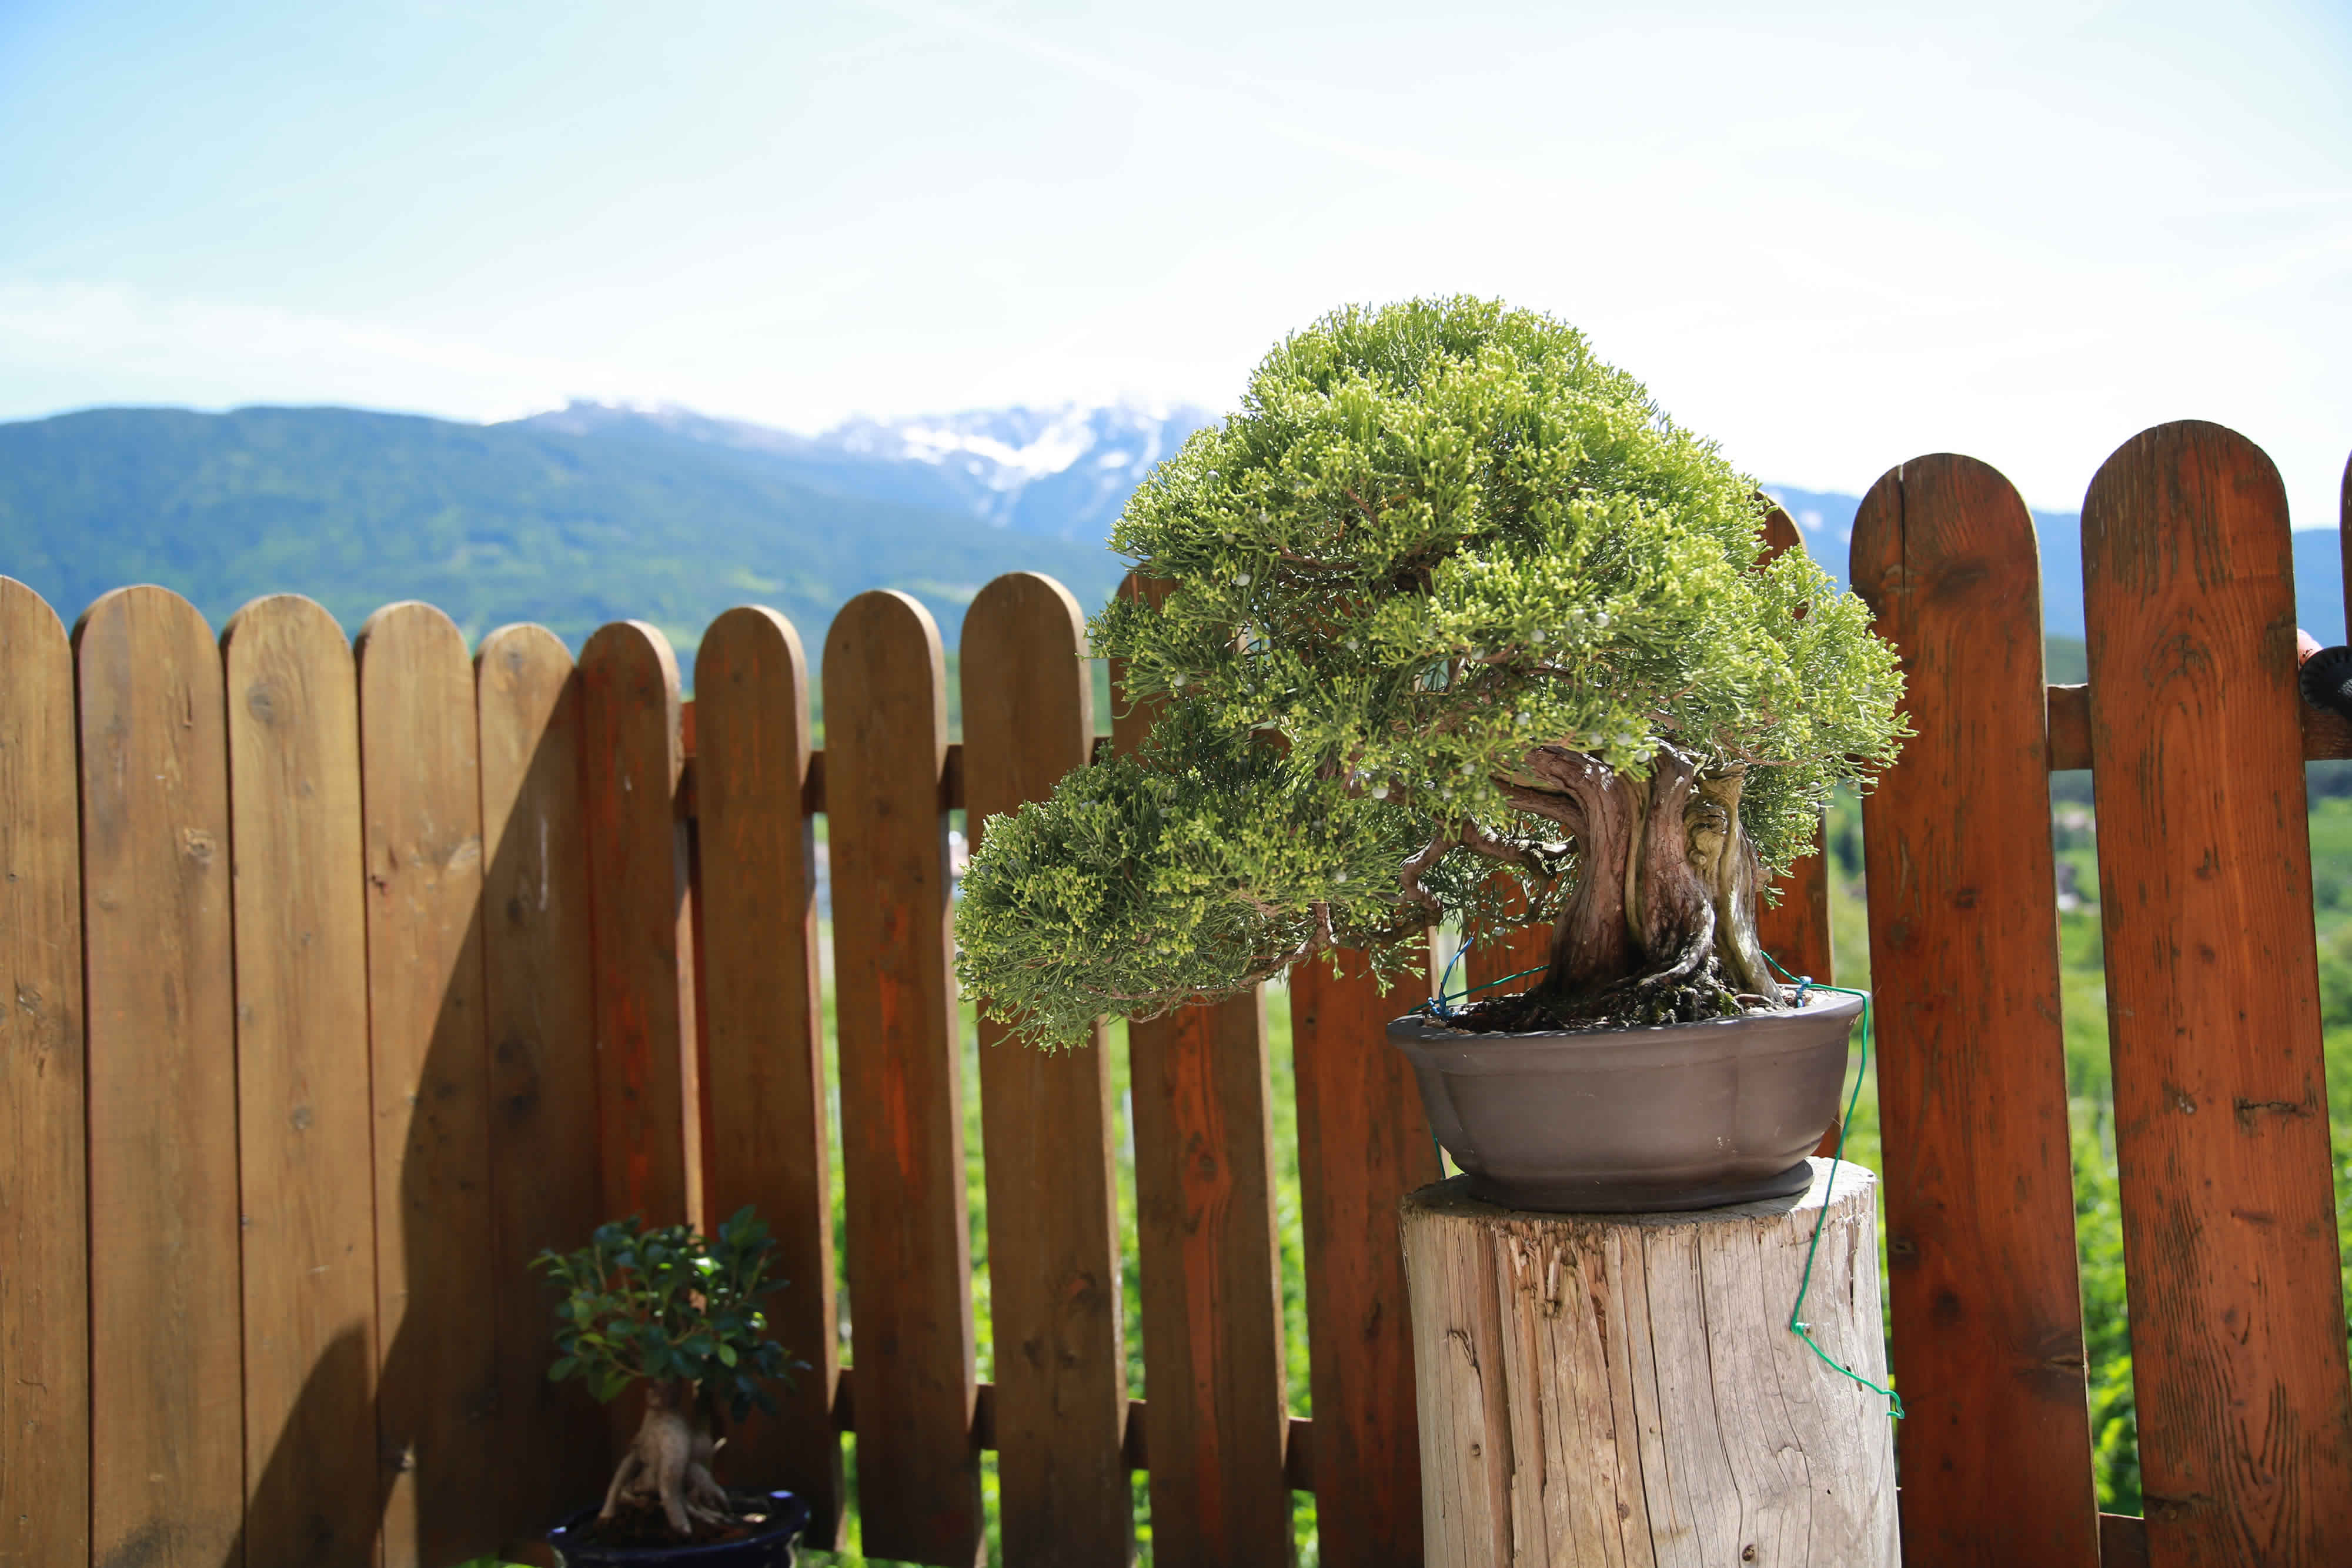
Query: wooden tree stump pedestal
[1623, 1389]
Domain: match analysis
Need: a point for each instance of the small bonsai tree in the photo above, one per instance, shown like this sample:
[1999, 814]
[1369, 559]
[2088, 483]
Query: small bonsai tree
[1447, 595]
[678, 1313]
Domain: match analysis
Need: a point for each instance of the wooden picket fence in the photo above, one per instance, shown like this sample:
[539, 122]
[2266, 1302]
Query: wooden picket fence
[347, 977]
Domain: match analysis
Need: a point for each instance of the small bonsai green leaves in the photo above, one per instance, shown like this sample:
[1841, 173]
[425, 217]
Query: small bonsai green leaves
[667, 1305]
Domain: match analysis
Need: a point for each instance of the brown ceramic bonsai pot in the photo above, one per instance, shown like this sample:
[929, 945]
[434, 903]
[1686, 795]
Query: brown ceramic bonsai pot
[1634, 1121]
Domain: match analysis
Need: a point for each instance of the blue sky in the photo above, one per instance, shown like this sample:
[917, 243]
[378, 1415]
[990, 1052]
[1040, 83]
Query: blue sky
[1830, 236]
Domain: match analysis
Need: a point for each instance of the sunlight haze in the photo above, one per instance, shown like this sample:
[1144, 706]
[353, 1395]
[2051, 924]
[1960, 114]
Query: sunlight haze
[1829, 237]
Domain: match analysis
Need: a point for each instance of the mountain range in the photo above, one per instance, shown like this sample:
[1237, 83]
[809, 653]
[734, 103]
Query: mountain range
[572, 518]
[595, 512]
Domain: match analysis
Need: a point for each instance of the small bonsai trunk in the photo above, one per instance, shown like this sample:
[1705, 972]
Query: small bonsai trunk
[1625, 1388]
[1661, 923]
[668, 1465]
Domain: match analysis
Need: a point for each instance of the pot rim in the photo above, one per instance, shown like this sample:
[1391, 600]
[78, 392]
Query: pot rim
[792, 1519]
[1420, 1030]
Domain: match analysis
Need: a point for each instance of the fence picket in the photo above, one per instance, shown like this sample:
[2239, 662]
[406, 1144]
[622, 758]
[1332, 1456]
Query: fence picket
[44, 1160]
[902, 1091]
[633, 757]
[541, 1025]
[2237, 1319]
[422, 804]
[1053, 1228]
[766, 1141]
[1363, 1143]
[303, 1130]
[166, 1360]
[1987, 1335]
[1211, 1299]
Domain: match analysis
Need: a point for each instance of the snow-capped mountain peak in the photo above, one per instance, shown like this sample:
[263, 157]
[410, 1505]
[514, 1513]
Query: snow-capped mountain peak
[1064, 470]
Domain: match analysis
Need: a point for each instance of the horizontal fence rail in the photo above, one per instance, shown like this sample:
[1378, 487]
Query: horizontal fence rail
[348, 976]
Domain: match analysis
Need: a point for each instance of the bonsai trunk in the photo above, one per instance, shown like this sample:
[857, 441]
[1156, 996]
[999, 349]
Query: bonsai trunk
[669, 1464]
[1660, 927]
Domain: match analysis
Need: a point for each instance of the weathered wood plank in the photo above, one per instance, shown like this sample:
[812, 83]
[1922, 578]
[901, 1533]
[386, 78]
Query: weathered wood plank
[303, 1127]
[537, 1000]
[43, 1160]
[1363, 1143]
[422, 802]
[766, 1140]
[2237, 1313]
[1796, 931]
[643, 935]
[167, 1354]
[901, 1093]
[2123, 1540]
[1211, 1297]
[1053, 1232]
[1971, 1071]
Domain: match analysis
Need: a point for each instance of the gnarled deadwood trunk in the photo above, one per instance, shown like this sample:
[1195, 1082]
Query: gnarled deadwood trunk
[1661, 925]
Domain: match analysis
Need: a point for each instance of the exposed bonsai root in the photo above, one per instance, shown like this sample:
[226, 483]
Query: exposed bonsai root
[669, 1465]
[1660, 928]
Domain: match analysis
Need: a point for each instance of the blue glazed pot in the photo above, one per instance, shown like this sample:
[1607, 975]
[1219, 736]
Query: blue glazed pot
[770, 1548]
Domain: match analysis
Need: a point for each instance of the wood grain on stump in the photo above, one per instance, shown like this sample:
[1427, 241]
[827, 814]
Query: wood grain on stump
[1623, 1389]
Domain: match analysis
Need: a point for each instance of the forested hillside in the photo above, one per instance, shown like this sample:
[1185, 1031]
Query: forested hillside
[492, 523]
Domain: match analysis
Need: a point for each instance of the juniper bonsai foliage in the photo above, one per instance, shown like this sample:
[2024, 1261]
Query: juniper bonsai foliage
[1447, 595]
[679, 1313]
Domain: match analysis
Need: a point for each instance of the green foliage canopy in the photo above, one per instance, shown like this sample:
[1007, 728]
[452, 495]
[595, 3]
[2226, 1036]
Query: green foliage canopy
[1437, 536]
[668, 1304]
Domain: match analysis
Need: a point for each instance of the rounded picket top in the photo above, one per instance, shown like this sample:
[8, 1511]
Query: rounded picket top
[520, 646]
[1781, 533]
[632, 661]
[882, 643]
[279, 608]
[2189, 468]
[1030, 606]
[413, 626]
[21, 610]
[753, 646]
[151, 604]
[291, 625]
[1028, 697]
[1975, 522]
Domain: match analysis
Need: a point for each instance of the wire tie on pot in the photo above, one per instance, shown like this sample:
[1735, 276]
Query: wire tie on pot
[1797, 1325]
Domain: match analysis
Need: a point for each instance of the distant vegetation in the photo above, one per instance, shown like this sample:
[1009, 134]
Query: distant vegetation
[492, 523]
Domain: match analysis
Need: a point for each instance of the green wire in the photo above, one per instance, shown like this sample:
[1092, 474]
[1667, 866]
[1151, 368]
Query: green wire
[1797, 1325]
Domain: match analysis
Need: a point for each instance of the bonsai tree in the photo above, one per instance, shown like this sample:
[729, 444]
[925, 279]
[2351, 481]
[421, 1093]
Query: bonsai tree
[678, 1313]
[1447, 595]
